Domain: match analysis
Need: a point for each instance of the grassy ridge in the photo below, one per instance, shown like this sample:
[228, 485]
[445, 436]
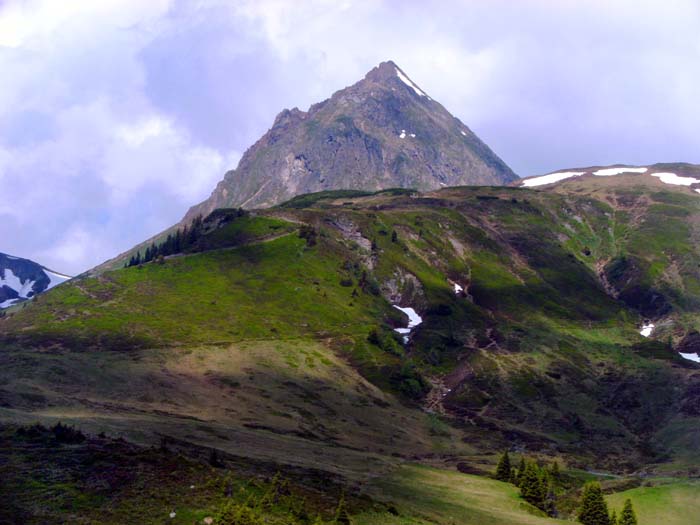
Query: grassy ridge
[671, 503]
[537, 350]
[277, 289]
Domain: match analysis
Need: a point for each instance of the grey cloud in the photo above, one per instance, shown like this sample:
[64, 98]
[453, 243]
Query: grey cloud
[117, 119]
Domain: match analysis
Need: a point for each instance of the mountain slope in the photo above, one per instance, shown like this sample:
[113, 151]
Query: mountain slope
[272, 336]
[21, 279]
[382, 132]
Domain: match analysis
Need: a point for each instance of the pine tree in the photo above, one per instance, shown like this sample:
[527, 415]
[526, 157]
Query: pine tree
[521, 470]
[627, 517]
[531, 487]
[613, 518]
[543, 490]
[341, 513]
[554, 471]
[514, 476]
[178, 242]
[503, 468]
[594, 510]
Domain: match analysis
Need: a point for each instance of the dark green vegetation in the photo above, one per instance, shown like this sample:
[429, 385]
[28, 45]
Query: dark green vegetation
[110, 481]
[594, 510]
[275, 342]
[103, 480]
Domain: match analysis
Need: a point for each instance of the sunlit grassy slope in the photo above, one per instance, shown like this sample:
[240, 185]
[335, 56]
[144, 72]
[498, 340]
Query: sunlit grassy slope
[670, 503]
[426, 495]
[259, 344]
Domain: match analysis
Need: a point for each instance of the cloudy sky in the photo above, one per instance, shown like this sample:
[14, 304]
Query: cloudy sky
[117, 115]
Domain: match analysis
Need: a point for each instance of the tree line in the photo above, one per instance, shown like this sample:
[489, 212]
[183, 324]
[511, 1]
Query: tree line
[182, 240]
[538, 486]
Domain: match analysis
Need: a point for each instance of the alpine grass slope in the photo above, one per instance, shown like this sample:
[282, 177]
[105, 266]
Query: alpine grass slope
[273, 337]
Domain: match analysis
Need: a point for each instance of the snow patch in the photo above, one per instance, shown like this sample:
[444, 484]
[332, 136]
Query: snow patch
[23, 288]
[413, 320]
[458, 289]
[647, 329]
[8, 303]
[672, 178]
[606, 172]
[55, 278]
[409, 83]
[403, 134]
[462, 132]
[551, 178]
[690, 357]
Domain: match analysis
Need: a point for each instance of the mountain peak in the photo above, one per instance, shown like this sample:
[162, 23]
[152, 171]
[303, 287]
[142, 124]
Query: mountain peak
[22, 279]
[382, 132]
[382, 71]
[391, 74]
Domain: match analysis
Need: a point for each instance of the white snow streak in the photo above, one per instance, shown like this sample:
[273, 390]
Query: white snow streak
[551, 178]
[672, 178]
[55, 278]
[413, 320]
[410, 84]
[7, 303]
[690, 357]
[458, 289]
[606, 172]
[647, 329]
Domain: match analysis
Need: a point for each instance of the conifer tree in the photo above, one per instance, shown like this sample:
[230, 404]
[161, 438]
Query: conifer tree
[613, 518]
[521, 470]
[341, 513]
[503, 468]
[550, 500]
[531, 487]
[594, 510]
[627, 517]
[178, 242]
[554, 471]
[514, 476]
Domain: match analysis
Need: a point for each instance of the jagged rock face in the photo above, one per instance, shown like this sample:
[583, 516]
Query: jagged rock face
[382, 132]
[22, 279]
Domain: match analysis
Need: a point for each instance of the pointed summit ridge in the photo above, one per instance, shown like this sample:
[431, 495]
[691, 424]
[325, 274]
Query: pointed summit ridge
[382, 132]
[388, 72]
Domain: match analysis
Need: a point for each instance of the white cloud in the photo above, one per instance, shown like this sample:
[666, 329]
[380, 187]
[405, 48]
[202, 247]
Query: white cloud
[117, 115]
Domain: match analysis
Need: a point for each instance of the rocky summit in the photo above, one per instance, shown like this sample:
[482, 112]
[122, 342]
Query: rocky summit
[382, 132]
